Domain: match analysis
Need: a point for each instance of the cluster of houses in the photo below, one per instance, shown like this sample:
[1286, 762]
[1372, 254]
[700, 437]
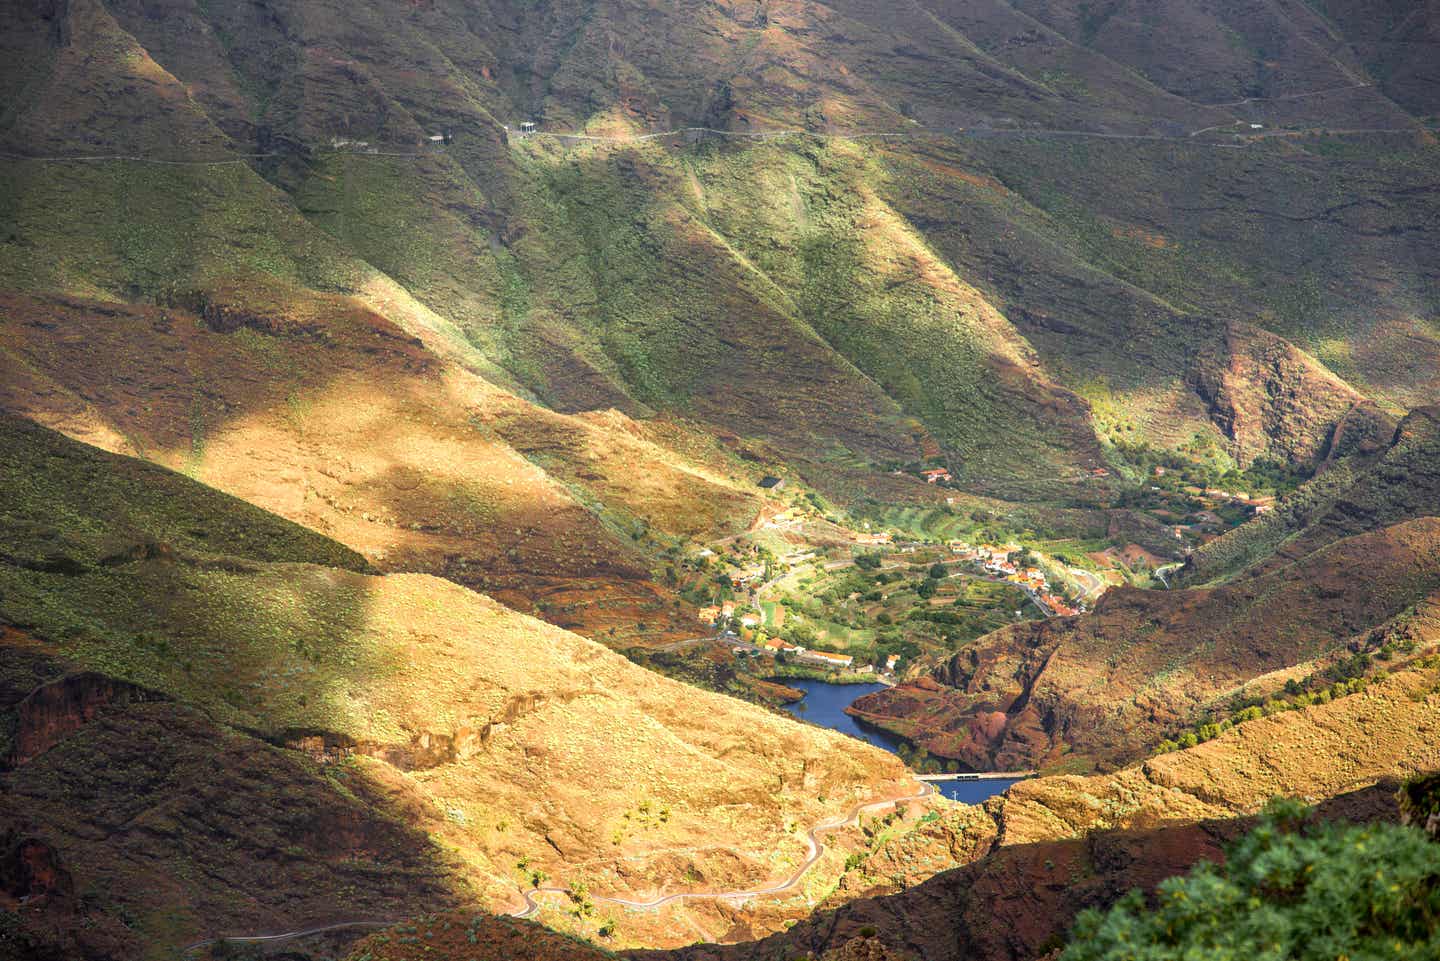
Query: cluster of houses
[716, 613]
[838, 662]
[1257, 505]
[996, 559]
[748, 579]
[931, 475]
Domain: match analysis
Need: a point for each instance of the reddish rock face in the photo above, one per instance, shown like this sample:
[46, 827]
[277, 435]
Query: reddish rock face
[29, 870]
[62, 707]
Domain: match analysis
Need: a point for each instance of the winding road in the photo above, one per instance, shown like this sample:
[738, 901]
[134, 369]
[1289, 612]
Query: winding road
[286, 935]
[812, 838]
[531, 906]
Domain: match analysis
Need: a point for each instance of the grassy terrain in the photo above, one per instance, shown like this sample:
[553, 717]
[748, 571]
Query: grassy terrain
[416, 680]
[1367, 489]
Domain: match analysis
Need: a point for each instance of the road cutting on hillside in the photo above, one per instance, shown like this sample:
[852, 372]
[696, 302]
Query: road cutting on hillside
[531, 906]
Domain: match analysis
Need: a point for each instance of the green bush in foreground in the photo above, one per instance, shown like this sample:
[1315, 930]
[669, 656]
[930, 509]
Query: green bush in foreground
[1330, 892]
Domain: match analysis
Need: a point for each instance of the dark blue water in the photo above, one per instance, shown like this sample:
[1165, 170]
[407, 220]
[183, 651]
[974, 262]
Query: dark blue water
[824, 704]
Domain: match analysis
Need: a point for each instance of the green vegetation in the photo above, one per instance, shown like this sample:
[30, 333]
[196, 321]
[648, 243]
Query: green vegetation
[1288, 890]
[1345, 678]
[74, 508]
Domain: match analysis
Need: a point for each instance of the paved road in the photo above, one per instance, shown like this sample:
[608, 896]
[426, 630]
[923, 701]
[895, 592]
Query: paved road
[531, 906]
[1163, 573]
[1095, 581]
[816, 849]
[288, 935]
[688, 642]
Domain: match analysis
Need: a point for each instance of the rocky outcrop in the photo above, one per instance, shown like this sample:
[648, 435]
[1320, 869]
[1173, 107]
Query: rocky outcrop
[30, 871]
[1269, 397]
[1108, 686]
[57, 709]
[1375, 475]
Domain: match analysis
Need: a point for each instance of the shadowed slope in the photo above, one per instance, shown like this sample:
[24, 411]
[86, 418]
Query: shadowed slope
[504, 738]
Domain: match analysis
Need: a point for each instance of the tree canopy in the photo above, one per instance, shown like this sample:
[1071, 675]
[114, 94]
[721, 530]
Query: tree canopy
[1289, 891]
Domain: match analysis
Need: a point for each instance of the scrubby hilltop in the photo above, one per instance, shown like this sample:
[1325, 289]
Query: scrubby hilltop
[1004, 883]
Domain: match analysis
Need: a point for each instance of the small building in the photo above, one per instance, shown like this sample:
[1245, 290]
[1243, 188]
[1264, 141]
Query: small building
[828, 659]
[771, 483]
[890, 663]
[749, 620]
[708, 615]
[746, 579]
[527, 126]
[727, 609]
[935, 475]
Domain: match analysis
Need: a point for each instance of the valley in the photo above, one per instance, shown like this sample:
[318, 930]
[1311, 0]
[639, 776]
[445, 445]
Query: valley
[689, 480]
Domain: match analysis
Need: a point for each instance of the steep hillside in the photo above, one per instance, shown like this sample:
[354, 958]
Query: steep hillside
[159, 845]
[972, 269]
[1021, 868]
[1017, 904]
[503, 739]
[325, 413]
[1368, 489]
[1107, 687]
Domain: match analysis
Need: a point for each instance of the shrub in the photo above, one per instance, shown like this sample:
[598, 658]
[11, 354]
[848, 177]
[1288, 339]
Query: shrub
[1287, 891]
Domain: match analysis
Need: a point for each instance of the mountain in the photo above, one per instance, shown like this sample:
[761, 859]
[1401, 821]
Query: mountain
[973, 272]
[386, 389]
[1347, 566]
[177, 660]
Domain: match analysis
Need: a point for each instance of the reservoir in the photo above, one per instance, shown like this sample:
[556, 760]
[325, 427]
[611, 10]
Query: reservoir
[824, 704]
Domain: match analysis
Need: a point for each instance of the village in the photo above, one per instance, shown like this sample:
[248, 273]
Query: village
[865, 604]
[811, 590]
